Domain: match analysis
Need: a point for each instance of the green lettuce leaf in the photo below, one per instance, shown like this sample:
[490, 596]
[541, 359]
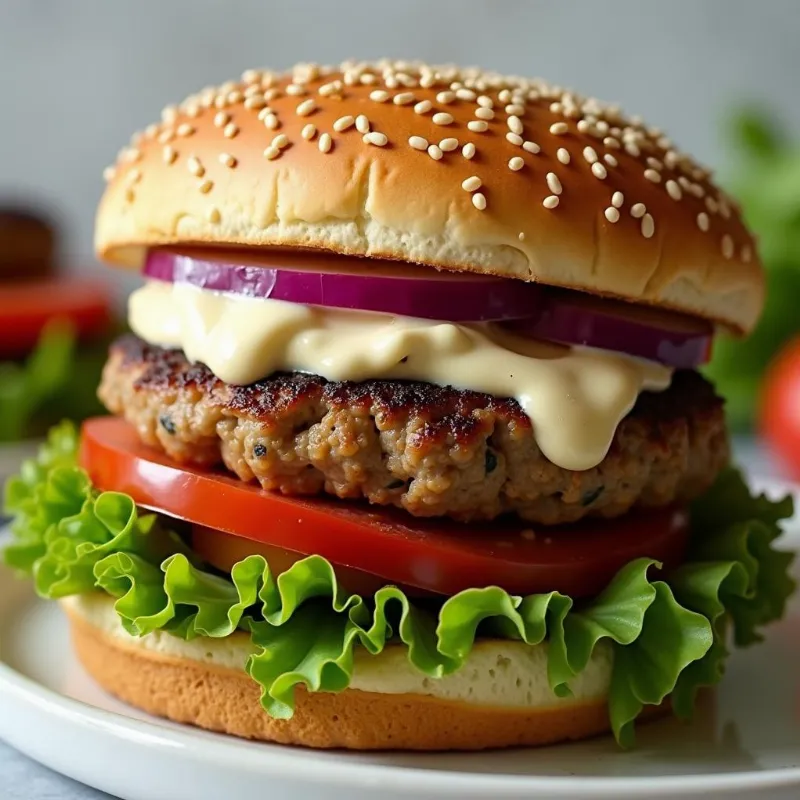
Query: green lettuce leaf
[667, 631]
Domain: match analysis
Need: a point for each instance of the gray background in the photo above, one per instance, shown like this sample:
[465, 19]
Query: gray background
[77, 78]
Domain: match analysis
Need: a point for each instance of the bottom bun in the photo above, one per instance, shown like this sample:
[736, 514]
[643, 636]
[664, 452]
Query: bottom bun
[197, 683]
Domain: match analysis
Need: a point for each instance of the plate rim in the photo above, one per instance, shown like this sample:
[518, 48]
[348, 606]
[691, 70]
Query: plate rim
[230, 754]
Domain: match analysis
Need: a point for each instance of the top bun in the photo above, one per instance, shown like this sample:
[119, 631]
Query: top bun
[457, 169]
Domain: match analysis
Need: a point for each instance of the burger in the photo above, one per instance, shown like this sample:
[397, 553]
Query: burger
[409, 445]
[54, 333]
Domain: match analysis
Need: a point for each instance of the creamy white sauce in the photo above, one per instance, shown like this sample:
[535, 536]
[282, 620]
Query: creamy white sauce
[575, 397]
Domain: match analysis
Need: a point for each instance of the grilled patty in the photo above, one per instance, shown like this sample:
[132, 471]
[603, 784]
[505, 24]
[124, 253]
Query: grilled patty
[434, 451]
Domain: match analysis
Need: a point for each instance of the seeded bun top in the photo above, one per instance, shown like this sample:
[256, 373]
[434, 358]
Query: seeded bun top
[457, 169]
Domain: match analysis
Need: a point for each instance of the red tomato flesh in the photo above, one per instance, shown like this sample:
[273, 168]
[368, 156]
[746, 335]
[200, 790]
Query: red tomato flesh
[26, 307]
[779, 411]
[436, 555]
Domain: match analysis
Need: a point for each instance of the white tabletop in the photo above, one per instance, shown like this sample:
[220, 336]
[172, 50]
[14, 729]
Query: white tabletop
[23, 779]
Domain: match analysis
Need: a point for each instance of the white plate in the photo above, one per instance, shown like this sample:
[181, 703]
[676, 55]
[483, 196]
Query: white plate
[745, 742]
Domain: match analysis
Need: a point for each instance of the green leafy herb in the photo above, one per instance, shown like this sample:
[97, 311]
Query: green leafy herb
[666, 631]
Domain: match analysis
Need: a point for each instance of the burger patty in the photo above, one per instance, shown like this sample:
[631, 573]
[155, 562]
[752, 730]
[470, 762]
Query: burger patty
[434, 451]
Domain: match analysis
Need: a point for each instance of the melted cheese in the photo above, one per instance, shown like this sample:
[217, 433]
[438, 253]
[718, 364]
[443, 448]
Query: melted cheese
[575, 397]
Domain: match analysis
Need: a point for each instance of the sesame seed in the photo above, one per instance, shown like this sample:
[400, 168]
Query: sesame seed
[418, 142]
[325, 143]
[481, 112]
[109, 173]
[559, 128]
[327, 89]
[445, 97]
[724, 208]
[206, 186]
[185, 129]
[590, 154]
[648, 226]
[280, 141]
[221, 119]
[610, 160]
[638, 210]
[423, 107]
[599, 171]
[747, 254]
[727, 246]
[479, 200]
[703, 221]
[343, 123]
[195, 167]
[362, 124]
[632, 149]
[485, 102]
[478, 125]
[213, 216]
[674, 190]
[169, 154]
[449, 144]
[403, 98]
[254, 102]
[166, 136]
[612, 214]
[610, 141]
[227, 160]
[514, 138]
[617, 199]
[531, 147]
[653, 175]
[711, 204]
[465, 94]
[563, 155]
[307, 107]
[271, 153]
[379, 95]
[271, 122]
[367, 79]
[553, 183]
[296, 89]
[442, 118]
[435, 152]
[550, 202]
[515, 109]
[376, 138]
[556, 107]
[468, 150]
[169, 114]
[516, 164]
[654, 163]
[309, 132]
[471, 184]
[515, 124]
[134, 176]
[231, 130]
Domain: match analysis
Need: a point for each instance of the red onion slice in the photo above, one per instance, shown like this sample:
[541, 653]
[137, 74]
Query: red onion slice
[651, 333]
[410, 292]
[567, 317]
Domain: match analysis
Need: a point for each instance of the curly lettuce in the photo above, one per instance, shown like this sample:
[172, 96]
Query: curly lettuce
[668, 631]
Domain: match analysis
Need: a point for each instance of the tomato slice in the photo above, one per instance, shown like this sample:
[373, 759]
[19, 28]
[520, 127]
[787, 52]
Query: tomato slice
[26, 307]
[437, 555]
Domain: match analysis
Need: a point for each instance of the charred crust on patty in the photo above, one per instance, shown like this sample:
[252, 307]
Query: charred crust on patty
[432, 450]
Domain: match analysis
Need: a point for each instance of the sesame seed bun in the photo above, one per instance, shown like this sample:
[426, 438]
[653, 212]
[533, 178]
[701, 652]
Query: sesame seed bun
[460, 170]
[499, 699]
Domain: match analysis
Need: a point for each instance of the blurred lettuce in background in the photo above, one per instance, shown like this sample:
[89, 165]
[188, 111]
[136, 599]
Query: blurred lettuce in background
[765, 179]
[57, 380]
